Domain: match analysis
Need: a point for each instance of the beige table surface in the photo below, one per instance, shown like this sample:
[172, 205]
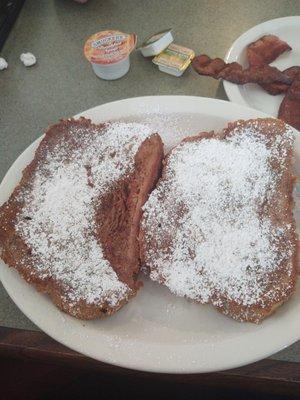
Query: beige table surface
[62, 83]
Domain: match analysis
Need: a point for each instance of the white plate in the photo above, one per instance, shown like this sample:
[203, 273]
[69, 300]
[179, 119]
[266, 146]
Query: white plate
[157, 331]
[252, 95]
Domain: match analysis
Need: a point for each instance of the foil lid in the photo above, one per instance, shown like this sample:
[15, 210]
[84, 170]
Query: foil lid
[109, 47]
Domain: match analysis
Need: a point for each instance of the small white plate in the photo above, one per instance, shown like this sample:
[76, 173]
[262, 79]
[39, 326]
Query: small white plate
[252, 95]
[157, 331]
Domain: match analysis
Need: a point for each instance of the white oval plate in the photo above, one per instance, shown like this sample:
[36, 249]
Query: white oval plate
[157, 331]
[252, 95]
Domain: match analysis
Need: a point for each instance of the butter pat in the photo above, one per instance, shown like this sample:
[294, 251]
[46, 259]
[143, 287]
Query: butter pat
[174, 60]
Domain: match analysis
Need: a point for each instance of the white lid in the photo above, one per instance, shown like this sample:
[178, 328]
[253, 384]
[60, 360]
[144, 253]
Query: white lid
[156, 43]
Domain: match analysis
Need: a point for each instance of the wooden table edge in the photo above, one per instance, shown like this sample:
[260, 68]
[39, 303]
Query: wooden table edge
[280, 377]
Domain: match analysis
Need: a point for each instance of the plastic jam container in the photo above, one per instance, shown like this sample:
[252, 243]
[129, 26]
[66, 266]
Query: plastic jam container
[108, 52]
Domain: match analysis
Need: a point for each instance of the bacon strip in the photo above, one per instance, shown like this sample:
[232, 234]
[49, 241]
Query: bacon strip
[265, 50]
[289, 110]
[233, 72]
[278, 88]
[204, 65]
[263, 74]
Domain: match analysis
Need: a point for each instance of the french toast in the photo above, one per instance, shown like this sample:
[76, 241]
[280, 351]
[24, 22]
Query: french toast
[70, 228]
[219, 227]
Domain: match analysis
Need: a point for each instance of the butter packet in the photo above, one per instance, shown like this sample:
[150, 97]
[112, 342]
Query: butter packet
[174, 59]
[156, 43]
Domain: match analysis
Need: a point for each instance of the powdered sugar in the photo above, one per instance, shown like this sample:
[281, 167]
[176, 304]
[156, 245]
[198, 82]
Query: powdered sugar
[203, 220]
[57, 221]
[171, 127]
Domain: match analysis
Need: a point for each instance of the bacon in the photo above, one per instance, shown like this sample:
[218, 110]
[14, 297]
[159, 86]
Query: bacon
[278, 88]
[265, 50]
[204, 65]
[260, 53]
[289, 110]
[262, 75]
[233, 72]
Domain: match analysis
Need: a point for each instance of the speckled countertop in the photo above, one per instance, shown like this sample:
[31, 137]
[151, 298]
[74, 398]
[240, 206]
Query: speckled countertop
[62, 83]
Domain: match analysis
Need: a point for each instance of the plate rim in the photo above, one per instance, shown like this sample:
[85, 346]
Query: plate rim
[232, 90]
[138, 365]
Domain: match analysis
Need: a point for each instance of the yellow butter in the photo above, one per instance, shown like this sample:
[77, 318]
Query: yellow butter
[175, 56]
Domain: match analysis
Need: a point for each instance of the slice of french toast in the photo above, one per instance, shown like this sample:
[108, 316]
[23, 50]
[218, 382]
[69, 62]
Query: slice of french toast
[219, 227]
[70, 227]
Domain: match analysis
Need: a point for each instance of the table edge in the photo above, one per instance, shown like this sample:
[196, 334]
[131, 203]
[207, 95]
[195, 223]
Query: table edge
[38, 345]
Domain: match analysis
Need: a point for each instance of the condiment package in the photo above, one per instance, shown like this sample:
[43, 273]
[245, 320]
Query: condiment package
[169, 57]
[108, 52]
[156, 43]
[174, 59]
